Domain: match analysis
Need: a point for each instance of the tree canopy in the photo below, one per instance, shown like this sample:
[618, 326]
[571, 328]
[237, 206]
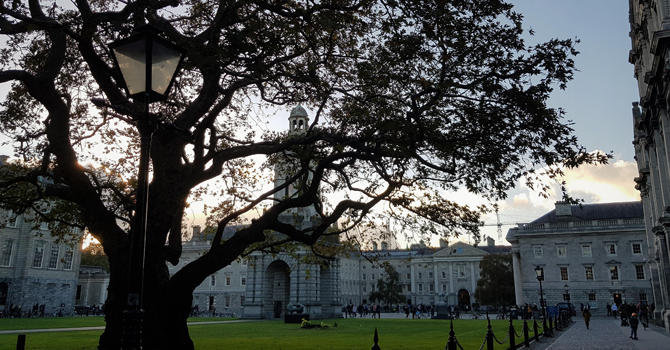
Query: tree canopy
[496, 282]
[412, 100]
[389, 287]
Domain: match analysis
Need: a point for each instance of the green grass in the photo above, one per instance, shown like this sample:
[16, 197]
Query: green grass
[276, 335]
[73, 322]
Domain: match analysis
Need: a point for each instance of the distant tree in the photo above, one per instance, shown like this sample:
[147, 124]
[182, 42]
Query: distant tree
[496, 284]
[389, 288]
[93, 255]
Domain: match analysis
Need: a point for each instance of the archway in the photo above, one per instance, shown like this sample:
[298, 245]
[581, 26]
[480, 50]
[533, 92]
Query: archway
[277, 288]
[463, 297]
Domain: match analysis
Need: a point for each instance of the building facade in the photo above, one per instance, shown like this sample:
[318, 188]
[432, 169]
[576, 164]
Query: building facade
[34, 268]
[650, 55]
[591, 254]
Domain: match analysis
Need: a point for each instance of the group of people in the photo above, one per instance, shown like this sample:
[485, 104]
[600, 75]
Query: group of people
[15, 311]
[418, 310]
[363, 310]
[631, 315]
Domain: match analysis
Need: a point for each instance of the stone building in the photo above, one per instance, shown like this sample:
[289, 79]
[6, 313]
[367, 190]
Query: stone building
[34, 268]
[650, 55]
[92, 286]
[599, 251]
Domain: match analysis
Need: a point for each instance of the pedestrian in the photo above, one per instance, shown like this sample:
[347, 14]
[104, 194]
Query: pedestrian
[609, 309]
[633, 326]
[587, 317]
[614, 310]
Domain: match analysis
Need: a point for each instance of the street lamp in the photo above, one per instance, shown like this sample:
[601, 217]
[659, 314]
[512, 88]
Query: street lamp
[540, 277]
[148, 66]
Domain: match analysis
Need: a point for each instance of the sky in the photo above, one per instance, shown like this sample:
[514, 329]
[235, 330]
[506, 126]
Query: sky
[598, 101]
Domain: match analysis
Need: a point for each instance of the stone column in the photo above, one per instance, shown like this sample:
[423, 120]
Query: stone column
[518, 282]
[451, 277]
[436, 284]
[413, 293]
[473, 280]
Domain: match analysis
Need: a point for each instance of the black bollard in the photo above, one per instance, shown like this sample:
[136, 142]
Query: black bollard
[489, 336]
[451, 344]
[21, 342]
[376, 340]
[512, 335]
[537, 337]
[526, 342]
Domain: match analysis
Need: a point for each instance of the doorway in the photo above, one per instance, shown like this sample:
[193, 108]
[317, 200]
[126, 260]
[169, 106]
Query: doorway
[617, 298]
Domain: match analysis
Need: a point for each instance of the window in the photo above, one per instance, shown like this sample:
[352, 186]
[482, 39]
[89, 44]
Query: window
[53, 257]
[562, 251]
[614, 273]
[67, 260]
[365, 287]
[643, 296]
[431, 287]
[461, 271]
[409, 287]
[372, 276]
[44, 226]
[420, 287]
[639, 272]
[444, 274]
[408, 266]
[409, 275]
[228, 278]
[243, 279]
[6, 257]
[39, 254]
[364, 267]
[592, 297]
[588, 271]
[564, 274]
[364, 277]
[11, 219]
[420, 275]
[227, 301]
[242, 300]
[537, 251]
[586, 251]
[430, 275]
[245, 262]
[444, 287]
[372, 287]
[212, 281]
[610, 249]
[637, 248]
[78, 295]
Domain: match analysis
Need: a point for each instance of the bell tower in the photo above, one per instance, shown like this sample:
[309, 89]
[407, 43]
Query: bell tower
[298, 120]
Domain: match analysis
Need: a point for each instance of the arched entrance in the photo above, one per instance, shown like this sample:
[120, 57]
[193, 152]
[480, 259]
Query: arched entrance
[463, 297]
[276, 287]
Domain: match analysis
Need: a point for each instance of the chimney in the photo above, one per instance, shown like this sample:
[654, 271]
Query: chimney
[196, 230]
[490, 242]
[444, 243]
[563, 209]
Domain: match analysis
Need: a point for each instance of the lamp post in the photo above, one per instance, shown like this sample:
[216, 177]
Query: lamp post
[540, 277]
[148, 65]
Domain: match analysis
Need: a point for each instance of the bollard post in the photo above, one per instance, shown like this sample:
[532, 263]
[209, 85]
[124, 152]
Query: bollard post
[537, 338]
[376, 340]
[21, 342]
[512, 335]
[489, 336]
[451, 344]
[526, 343]
[551, 327]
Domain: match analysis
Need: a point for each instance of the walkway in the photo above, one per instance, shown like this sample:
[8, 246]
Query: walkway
[605, 333]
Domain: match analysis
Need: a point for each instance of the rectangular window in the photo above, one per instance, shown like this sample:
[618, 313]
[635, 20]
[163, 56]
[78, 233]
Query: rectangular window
[78, 296]
[38, 254]
[408, 266]
[228, 278]
[44, 226]
[610, 249]
[364, 267]
[444, 287]
[372, 287]
[588, 270]
[643, 296]
[6, 258]
[637, 248]
[586, 251]
[431, 287]
[245, 262]
[409, 276]
[639, 272]
[537, 251]
[461, 271]
[420, 275]
[592, 297]
[409, 287]
[614, 273]
[243, 279]
[53, 257]
[420, 287]
[430, 275]
[365, 288]
[562, 251]
[364, 277]
[564, 274]
[444, 274]
[372, 276]
[227, 301]
[212, 281]
[67, 260]
[11, 219]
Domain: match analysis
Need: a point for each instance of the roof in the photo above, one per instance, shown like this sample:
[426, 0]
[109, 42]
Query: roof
[298, 111]
[598, 211]
[496, 249]
[208, 234]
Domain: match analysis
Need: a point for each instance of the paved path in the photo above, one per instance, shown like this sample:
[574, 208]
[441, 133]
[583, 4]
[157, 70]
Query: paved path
[22, 331]
[605, 333]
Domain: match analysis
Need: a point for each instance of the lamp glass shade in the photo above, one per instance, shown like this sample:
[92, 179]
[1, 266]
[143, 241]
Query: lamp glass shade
[164, 63]
[132, 60]
[539, 272]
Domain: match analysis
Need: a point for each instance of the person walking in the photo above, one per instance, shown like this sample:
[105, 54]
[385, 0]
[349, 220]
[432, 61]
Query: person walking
[614, 310]
[633, 326]
[587, 317]
[609, 309]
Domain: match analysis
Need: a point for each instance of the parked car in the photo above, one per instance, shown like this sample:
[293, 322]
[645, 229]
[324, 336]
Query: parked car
[295, 307]
[567, 306]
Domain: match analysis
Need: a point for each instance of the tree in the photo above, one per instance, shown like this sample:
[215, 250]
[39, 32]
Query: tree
[496, 283]
[93, 255]
[413, 99]
[389, 288]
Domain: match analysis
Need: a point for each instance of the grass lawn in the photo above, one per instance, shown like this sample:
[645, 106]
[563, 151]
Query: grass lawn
[276, 335]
